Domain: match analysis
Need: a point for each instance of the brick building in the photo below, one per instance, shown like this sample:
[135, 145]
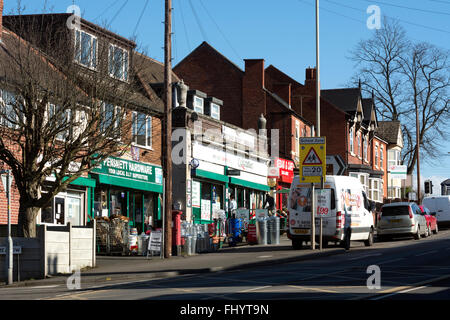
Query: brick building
[129, 184]
[247, 94]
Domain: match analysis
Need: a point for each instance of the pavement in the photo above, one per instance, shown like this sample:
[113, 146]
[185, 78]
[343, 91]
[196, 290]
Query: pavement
[110, 269]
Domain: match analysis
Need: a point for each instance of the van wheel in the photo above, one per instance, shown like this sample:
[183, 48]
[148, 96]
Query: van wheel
[369, 241]
[297, 244]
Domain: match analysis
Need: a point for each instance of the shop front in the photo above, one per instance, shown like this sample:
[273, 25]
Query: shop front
[284, 177]
[131, 189]
[70, 206]
[218, 176]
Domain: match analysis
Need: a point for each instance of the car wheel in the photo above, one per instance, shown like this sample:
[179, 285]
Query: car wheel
[369, 241]
[436, 230]
[417, 234]
[297, 244]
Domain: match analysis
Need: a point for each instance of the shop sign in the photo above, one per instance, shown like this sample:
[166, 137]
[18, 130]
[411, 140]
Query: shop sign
[286, 169]
[130, 170]
[16, 250]
[154, 243]
[229, 159]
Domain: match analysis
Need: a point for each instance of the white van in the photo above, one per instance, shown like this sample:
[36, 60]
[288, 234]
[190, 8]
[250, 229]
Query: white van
[338, 190]
[441, 206]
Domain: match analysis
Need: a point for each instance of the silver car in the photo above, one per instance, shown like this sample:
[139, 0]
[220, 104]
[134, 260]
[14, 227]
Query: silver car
[401, 219]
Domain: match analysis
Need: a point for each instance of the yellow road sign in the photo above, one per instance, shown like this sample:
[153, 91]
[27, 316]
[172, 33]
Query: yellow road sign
[313, 157]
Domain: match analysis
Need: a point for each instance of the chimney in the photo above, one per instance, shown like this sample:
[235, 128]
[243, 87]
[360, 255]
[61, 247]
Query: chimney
[1, 19]
[253, 94]
[310, 79]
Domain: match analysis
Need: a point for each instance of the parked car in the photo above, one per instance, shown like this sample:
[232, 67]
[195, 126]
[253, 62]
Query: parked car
[401, 219]
[431, 219]
[441, 206]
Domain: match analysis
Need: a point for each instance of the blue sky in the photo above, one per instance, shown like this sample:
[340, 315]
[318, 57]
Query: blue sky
[281, 32]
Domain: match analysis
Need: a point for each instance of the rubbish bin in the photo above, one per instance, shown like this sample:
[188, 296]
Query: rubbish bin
[176, 232]
[273, 226]
[261, 230]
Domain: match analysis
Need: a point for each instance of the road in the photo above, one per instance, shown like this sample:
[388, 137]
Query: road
[409, 269]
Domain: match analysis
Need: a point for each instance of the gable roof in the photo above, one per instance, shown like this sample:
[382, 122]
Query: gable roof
[205, 46]
[346, 99]
[389, 130]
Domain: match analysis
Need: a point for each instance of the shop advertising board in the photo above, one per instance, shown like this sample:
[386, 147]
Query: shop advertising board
[195, 194]
[322, 202]
[398, 172]
[154, 242]
[312, 164]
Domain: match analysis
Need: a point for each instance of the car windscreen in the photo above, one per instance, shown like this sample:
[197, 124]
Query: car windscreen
[395, 211]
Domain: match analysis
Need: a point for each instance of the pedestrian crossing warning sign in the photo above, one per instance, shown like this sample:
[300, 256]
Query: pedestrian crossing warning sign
[312, 158]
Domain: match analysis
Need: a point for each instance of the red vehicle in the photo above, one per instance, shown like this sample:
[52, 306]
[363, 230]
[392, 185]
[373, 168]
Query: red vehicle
[431, 220]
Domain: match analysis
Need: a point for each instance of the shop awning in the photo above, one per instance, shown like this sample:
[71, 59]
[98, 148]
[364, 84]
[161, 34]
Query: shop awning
[211, 175]
[129, 183]
[248, 184]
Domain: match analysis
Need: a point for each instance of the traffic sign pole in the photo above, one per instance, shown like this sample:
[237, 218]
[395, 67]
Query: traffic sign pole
[9, 252]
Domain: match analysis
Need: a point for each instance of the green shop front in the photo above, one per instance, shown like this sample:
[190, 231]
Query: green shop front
[218, 176]
[131, 189]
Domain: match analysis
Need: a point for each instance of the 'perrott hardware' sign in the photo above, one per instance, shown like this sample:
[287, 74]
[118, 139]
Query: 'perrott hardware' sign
[130, 170]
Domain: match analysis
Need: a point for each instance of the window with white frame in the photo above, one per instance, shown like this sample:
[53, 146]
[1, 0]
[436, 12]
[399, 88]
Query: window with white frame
[363, 178]
[86, 49]
[142, 129]
[376, 155]
[359, 144]
[59, 119]
[376, 189]
[394, 157]
[352, 150]
[198, 104]
[110, 120]
[8, 114]
[215, 111]
[382, 157]
[118, 62]
[365, 148]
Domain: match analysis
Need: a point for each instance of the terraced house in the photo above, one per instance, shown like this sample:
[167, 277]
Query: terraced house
[102, 100]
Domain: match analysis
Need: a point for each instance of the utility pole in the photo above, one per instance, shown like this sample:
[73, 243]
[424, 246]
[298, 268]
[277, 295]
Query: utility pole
[168, 130]
[418, 154]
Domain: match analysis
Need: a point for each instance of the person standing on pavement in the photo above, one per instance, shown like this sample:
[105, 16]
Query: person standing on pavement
[347, 228]
[270, 202]
[233, 207]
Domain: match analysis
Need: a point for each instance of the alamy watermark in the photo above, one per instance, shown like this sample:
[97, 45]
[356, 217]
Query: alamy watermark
[374, 20]
[74, 21]
[374, 281]
[74, 281]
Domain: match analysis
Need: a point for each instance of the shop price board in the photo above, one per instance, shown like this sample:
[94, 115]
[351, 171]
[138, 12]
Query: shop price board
[154, 242]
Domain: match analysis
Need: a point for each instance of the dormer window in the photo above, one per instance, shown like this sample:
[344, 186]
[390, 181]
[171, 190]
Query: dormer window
[198, 104]
[118, 62]
[85, 49]
[215, 111]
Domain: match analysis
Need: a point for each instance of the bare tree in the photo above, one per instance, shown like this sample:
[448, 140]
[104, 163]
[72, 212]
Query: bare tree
[58, 120]
[404, 76]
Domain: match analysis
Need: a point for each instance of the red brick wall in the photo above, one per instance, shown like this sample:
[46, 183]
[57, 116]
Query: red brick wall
[207, 70]
[253, 95]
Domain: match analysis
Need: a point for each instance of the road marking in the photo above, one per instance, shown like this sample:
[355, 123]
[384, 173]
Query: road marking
[254, 289]
[313, 289]
[265, 257]
[425, 253]
[399, 292]
[366, 256]
[389, 261]
[44, 287]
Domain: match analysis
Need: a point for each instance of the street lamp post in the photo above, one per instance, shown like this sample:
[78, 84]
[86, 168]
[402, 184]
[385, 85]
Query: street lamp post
[9, 251]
